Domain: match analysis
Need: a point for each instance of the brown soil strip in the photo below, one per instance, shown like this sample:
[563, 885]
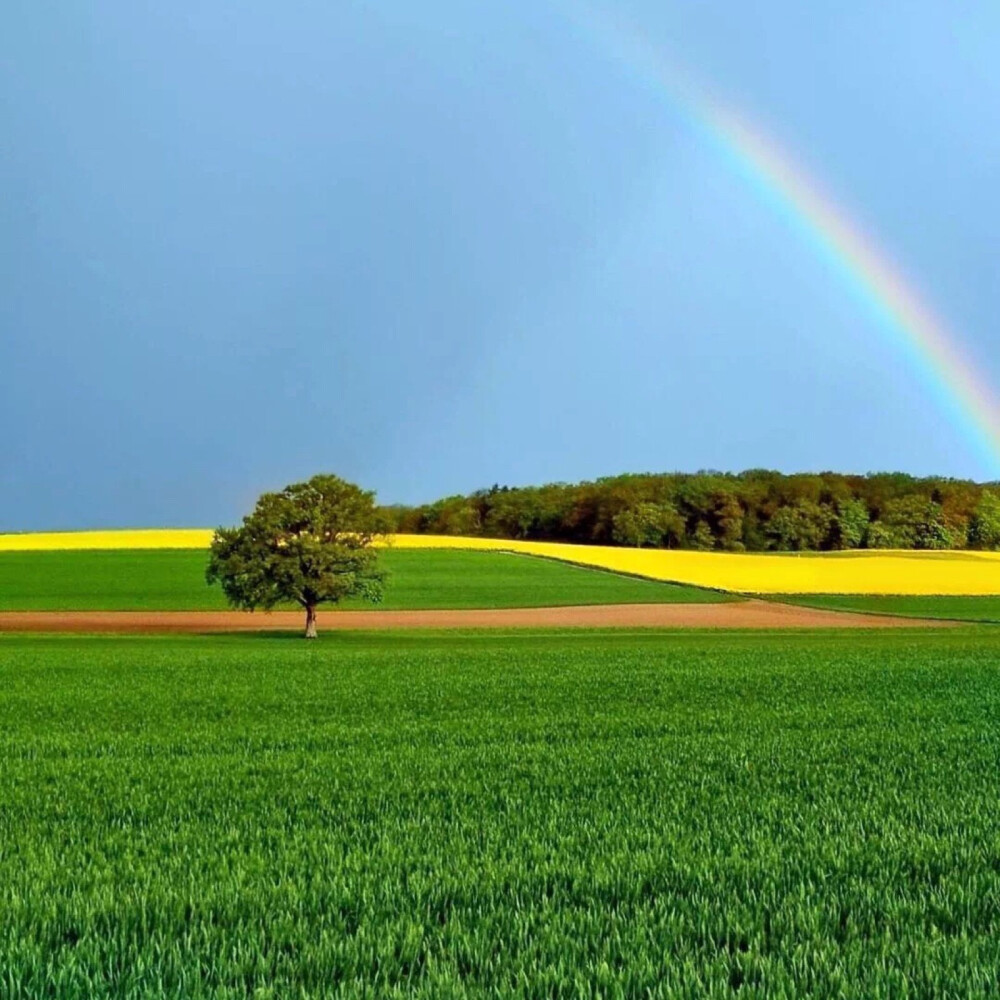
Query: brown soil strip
[741, 615]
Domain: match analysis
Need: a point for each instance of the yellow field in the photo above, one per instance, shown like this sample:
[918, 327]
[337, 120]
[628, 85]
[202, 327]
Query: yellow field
[142, 538]
[861, 572]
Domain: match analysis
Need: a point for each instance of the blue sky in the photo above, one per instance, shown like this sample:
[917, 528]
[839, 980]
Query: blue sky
[435, 246]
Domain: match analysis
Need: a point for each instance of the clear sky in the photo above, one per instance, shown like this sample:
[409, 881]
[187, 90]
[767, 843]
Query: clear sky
[434, 246]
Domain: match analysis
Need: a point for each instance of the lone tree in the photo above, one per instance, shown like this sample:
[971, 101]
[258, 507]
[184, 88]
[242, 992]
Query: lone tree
[311, 543]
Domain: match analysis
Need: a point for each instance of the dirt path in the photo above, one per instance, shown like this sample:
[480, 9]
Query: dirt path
[741, 615]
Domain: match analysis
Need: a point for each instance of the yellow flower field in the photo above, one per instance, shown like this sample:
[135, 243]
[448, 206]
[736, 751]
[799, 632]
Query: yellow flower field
[141, 538]
[860, 572]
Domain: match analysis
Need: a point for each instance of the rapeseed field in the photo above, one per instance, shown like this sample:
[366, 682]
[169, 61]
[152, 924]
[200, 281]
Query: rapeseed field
[128, 538]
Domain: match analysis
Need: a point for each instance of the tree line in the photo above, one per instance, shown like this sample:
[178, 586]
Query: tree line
[754, 511]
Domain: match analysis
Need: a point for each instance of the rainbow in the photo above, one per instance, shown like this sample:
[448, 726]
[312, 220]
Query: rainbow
[933, 351]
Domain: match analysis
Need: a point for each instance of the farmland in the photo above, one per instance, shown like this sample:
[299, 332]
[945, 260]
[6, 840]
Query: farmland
[873, 572]
[522, 812]
[174, 580]
[535, 815]
[956, 573]
[971, 609]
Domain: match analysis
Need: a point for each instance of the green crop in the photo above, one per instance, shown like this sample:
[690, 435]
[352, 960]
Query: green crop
[174, 580]
[972, 609]
[561, 815]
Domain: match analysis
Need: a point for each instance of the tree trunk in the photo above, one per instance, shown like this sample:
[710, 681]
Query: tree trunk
[310, 621]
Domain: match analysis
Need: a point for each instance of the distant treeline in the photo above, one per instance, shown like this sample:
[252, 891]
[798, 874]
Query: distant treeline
[751, 511]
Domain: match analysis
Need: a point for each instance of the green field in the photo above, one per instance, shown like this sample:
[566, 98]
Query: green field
[971, 609]
[174, 580]
[562, 815]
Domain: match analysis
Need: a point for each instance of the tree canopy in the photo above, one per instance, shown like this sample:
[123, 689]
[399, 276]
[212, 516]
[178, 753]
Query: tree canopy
[311, 543]
[756, 510]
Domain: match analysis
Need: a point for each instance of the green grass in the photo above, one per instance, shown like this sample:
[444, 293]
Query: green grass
[972, 609]
[564, 815]
[174, 580]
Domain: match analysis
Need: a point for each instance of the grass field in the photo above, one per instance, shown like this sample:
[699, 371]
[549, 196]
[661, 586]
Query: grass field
[533, 815]
[960, 573]
[174, 580]
[971, 609]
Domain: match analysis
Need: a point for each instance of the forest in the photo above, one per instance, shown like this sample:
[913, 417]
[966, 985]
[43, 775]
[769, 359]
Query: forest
[753, 511]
